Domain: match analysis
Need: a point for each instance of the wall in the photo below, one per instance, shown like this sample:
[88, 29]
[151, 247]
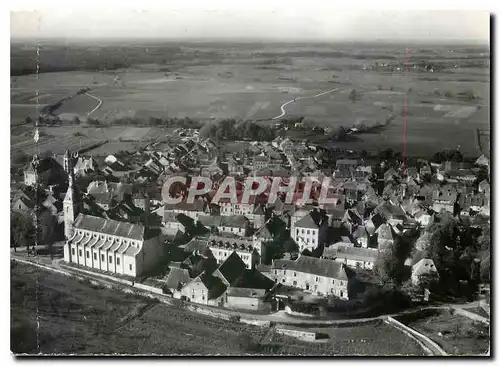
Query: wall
[430, 345]
[258, 323]
[148, 288]
[472, 316]
[288, 310]
[305, 240]
[324, 285]
[247, 303]
[152, 253]
[303, 335]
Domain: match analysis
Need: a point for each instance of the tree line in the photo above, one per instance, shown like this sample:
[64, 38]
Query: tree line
[232, 130]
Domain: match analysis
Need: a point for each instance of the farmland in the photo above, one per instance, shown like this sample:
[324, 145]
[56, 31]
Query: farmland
[212, 81]
[79, 318]
[456, 334]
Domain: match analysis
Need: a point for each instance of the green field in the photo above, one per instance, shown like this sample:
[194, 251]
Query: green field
[251, 81]
[455, 334]
[51, 314]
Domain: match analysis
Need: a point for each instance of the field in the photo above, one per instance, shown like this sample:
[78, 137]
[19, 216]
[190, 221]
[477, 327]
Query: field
[57, 139]
[459, 335]
[79, 318]
[252, 81]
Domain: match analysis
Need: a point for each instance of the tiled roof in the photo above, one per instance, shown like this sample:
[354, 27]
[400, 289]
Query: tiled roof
[355, 253]
[234, 221]
[232, 267]
[217, 241]
[195, 244]
[110, 227]
[316, 266]
[306, 222]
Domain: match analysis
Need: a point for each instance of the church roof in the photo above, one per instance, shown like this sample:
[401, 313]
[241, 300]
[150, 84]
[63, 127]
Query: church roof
[110, 227]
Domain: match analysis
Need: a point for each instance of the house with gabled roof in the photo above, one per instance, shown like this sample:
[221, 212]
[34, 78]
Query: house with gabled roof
[316, 275]
[45, 171]
[385, 236]
[484, 186]
[306, 233]
[195, 210]
[444, 198]
[238, 225]
[223, 246]
[204, 289]
[356, 258]
[230, 269]
[177, 278]
[423, 269]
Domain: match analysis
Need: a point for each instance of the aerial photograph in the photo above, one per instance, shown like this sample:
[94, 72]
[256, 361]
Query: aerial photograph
[224, 182]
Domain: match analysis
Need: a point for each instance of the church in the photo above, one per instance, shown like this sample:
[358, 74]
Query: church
[113, 246]
[108, 245]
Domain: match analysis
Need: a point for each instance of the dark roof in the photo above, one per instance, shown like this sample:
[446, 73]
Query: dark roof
[355, 253]
[234, 221]
[210, 221]
[236, 243]
[312, 265]
[388, 210]
[110, 227]
[232, 267]
[44, 164]
[263, 232]
[214, 285]
[263, 268]
[251, 278]
[195, 244]
[198, 205]
[177, 278]
[307, 222]
[346, 162]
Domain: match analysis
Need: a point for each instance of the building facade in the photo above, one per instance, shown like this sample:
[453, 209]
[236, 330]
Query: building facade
[316, 275]
[113, 246]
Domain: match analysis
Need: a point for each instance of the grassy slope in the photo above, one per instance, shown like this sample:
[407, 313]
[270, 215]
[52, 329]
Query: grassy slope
[75, 317]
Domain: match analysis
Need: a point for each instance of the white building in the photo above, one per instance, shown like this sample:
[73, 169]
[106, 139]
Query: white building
[237, 225]
[113, 246]
[222, 247]
[316, 275]
[306, 233]
[194, 210]
[423, 268]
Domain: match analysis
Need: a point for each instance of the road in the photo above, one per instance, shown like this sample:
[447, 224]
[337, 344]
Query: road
[283, 112]
[278, 317]
[98, 105]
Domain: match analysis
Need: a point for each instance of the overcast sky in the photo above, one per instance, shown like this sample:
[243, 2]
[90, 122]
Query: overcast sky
[305, 23]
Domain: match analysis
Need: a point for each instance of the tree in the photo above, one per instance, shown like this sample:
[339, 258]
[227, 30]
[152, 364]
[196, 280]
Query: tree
[76, 120]
[353, 95]
[390, 265]
[21, 158]
[29, 121]
[93, 122]
[339, 133]
[22, 231]
[386, 154]
[484, 247]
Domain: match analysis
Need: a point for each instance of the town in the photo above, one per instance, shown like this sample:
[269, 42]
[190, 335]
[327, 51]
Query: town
[420, 227]
[290, 181]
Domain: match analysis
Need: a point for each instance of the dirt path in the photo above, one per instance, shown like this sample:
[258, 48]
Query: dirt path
[98, 105]
[283, 112]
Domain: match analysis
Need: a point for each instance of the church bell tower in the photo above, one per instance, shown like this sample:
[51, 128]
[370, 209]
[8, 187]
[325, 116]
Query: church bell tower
[70, 203]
